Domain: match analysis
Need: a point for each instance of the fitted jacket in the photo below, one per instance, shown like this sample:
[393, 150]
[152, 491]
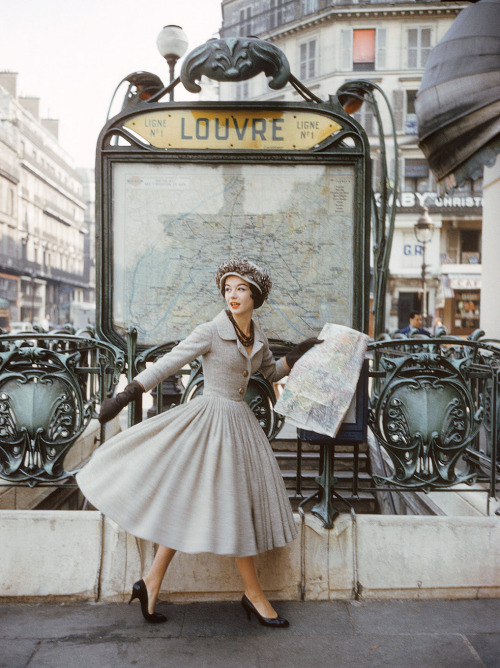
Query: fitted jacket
[227, 366]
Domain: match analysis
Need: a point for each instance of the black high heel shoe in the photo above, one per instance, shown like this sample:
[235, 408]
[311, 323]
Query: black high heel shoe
[276, 622]
[140, 591]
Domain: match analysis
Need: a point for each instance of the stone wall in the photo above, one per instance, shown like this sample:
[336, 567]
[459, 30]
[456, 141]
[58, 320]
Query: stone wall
[70, 555]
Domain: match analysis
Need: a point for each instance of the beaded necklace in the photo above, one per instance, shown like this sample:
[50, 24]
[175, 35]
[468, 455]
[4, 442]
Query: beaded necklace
[245, 340]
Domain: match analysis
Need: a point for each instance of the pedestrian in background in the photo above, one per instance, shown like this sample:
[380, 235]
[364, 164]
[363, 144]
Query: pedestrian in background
[414, 322]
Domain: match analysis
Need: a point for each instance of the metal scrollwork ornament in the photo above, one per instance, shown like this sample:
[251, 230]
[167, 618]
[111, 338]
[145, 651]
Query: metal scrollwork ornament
[424, 418]
[234, 59]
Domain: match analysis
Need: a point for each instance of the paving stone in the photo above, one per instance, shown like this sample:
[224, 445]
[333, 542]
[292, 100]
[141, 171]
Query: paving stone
[85, 619]
[229, 619]
[16, 654]
[487, 645]
[388, 634]
[371, 651]
[167, 653]
[463, 616]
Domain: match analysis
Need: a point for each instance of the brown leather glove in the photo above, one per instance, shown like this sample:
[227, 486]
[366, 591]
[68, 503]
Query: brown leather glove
[301, 348]
[111, 407]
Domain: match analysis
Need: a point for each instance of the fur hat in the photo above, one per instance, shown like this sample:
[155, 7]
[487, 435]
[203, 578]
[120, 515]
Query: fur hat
[249, 272]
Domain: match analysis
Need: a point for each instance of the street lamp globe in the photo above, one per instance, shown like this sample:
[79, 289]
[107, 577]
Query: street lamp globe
[172, 43]
[424, 227]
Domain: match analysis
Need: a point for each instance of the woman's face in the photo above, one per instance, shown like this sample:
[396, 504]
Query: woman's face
[238, 295]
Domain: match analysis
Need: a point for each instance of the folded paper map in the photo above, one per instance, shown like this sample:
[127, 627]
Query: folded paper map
[321, 385]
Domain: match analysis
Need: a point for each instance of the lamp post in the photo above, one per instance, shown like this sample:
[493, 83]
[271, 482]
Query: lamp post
[172, 44]
[424, 229]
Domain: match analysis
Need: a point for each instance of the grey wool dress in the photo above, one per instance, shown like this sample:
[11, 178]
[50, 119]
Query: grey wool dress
[200, 477]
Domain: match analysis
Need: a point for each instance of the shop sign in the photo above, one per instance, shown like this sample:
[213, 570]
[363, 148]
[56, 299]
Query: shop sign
[465, 282]
[410, 200]
[233, 129]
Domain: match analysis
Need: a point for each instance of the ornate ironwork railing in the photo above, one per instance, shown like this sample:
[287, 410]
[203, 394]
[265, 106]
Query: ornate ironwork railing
[434, 409]
[434, 412]
[50, 384]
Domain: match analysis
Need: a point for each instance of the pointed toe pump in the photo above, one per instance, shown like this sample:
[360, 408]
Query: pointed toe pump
[250, 609]
[140, 591]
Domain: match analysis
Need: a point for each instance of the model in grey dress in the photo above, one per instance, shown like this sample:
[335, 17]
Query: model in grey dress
[202, 477]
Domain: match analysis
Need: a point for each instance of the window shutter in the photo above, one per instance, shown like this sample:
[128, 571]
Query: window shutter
[380, 48]
[397, 109]
[312, 59]
[412, 48]
[346, 45]
[303, 60]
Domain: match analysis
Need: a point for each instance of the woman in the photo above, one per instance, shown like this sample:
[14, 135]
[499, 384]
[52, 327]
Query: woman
[202, 477]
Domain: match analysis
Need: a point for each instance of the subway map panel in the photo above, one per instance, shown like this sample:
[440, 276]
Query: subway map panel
[174, 223]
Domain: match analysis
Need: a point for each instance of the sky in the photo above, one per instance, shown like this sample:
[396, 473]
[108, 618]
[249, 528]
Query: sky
[73, 53]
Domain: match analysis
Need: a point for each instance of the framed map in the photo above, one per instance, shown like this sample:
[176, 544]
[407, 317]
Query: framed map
[173, 222]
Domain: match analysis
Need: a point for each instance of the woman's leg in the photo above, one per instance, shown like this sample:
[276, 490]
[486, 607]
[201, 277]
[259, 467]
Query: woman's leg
[156, 573]
[253, 590]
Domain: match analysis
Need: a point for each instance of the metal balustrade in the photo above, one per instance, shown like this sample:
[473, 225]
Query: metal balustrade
[50, 385]
[433, 409]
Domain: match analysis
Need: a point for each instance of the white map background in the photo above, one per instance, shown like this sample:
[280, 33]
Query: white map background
[173, 225]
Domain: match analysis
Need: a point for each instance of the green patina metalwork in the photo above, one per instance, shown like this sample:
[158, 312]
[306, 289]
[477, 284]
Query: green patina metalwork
[384, 212]
[434, 406]
[228, 60]
[50, 384]
[434, 410]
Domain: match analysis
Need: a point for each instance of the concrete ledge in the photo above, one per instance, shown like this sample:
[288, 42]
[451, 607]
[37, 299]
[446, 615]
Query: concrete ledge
[72, 555]
[50, 553]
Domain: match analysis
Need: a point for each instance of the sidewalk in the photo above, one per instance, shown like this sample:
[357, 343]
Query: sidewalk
[399, 634]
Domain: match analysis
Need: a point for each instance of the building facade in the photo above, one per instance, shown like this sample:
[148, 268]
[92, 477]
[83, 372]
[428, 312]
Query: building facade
[329, 42]
[42, 223]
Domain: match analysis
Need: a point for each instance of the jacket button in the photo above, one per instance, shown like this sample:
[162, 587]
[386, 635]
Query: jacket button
[245, 373]
[241, 390]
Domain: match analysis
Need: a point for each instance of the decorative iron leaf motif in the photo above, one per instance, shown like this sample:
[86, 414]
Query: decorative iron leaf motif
[424, 417]
[234, 59]
[48, 394]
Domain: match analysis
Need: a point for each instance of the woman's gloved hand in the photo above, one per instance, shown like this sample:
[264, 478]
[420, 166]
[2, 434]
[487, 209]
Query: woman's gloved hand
[301, 348]
[111, 407]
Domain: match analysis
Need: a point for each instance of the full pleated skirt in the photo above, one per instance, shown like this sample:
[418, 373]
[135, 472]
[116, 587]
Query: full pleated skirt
[200, 477]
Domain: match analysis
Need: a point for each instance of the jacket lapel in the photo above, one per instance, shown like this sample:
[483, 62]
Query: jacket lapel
[226, 331]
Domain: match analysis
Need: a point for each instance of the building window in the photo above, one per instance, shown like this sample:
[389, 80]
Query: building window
[462, 246]
[309, 6]
[419, 47]
[366, 118]
[276, 13]
[242, 90]
[411, 127]
[471, 187]
[417, 175]
[246, 22]
[470, 246]
[307, 59]
[363, 50]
